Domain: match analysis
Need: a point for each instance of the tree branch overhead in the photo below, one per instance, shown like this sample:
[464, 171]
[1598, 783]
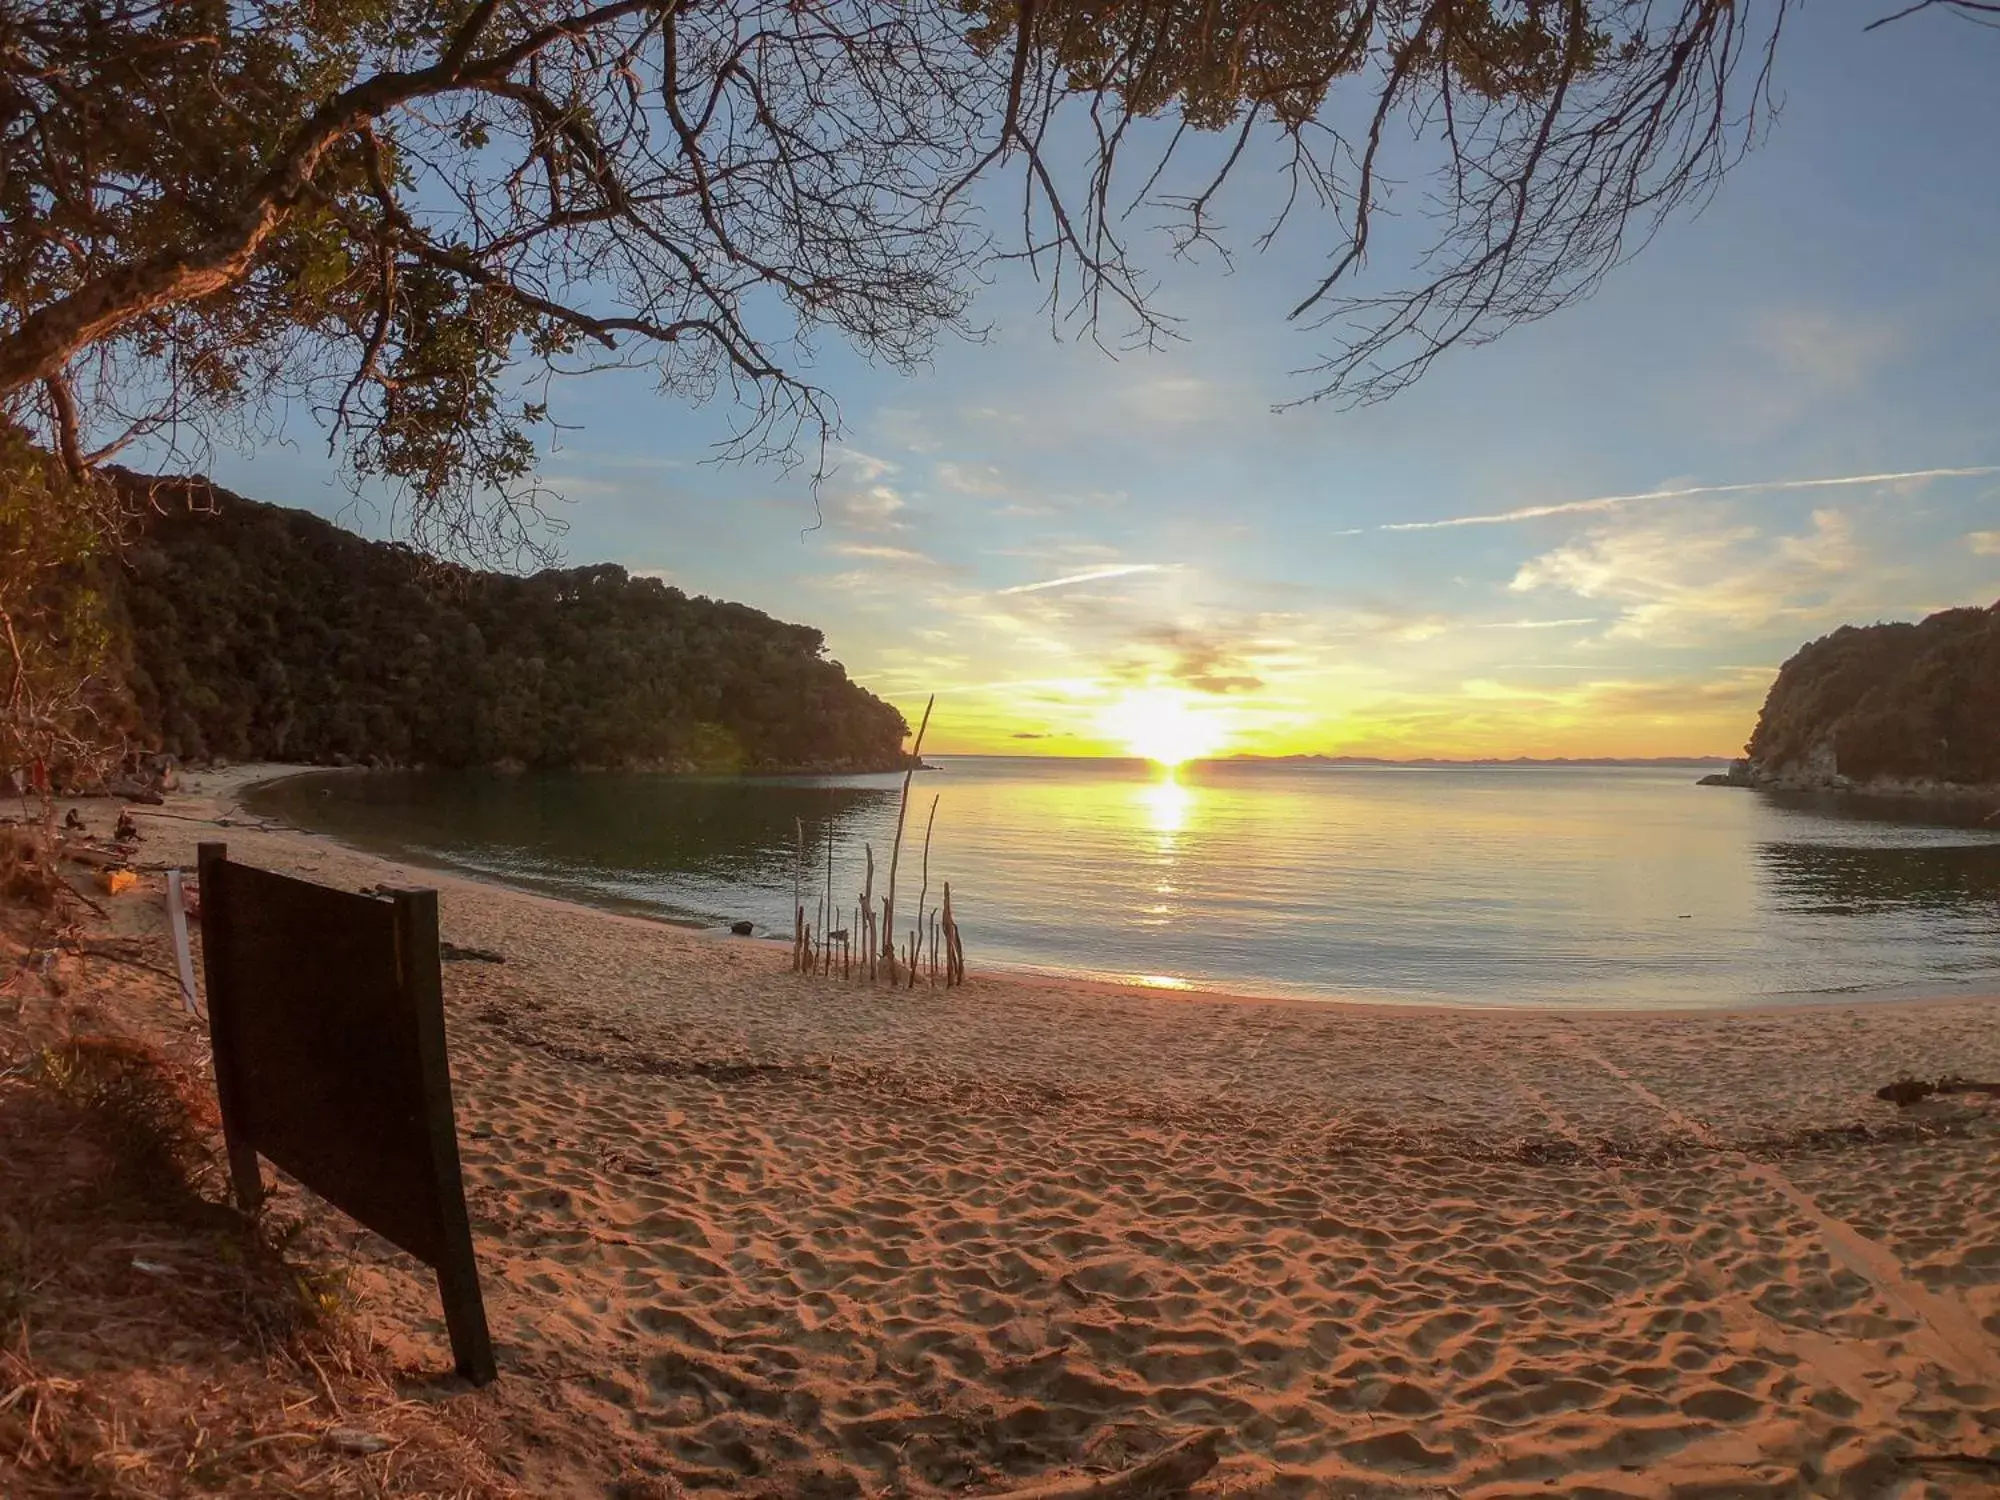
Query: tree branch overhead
[407, 215]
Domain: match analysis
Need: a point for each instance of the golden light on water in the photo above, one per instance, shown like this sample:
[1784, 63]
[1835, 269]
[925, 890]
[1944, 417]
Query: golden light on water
[1165, 724]
[1166, 803]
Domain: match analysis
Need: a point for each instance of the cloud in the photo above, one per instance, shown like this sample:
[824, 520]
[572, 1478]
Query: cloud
[970, 479]
[1178, 399]
[1389, 623]
[1207, 661]
[586, 486]
[1612, 714]
[1538, 624]
[1613, 502]
[878, 552]
[875, 508]
[906, 428]
[1985, 543]
[1739, 688]
[859, 468]
[1821, 351]
[1688, 578]
[1122, 570]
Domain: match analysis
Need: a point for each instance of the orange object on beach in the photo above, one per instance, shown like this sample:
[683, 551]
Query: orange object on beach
[117, 881]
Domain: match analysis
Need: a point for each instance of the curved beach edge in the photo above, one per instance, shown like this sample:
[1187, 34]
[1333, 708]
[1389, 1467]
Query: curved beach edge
[849, 1241]
[220, 796]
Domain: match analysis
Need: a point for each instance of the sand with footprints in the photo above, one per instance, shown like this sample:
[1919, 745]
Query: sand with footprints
[765, 1235]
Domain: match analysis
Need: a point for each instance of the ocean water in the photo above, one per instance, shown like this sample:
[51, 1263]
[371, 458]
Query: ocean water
[1564, 887]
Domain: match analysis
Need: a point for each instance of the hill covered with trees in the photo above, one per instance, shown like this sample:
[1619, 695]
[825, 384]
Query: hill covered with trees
[259, 632]
[1895, 707]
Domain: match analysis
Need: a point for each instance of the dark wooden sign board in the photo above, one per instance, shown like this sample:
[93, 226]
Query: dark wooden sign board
[326, 1013]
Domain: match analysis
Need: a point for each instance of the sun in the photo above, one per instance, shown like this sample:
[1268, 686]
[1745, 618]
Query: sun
[1165, 725]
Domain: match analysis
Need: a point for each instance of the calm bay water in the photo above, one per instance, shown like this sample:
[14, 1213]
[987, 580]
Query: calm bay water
[1557, 886]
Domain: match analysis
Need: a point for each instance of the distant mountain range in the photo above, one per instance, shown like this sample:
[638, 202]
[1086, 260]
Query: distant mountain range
[1519, 760]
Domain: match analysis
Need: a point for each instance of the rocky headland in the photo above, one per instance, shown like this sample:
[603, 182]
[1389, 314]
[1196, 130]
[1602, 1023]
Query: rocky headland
[1894, 710]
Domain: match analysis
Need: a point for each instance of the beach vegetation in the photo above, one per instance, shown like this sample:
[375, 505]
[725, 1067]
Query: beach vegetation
[153, 1341]
[262, 633]
[63, 716]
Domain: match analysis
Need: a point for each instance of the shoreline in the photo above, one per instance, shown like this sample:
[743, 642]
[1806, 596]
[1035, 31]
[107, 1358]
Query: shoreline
[750, 1232]
[239, 781]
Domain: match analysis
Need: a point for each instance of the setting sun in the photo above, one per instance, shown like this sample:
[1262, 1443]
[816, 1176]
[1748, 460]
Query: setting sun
[1165, 725]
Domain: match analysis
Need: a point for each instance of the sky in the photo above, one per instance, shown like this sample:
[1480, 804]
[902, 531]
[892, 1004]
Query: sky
[1599, 536]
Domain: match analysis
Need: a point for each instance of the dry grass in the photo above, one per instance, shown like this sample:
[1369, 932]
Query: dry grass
[27, 867]
[153, 1342]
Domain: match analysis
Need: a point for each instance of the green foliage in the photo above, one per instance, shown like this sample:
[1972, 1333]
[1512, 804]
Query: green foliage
[266, 633]
[154, 1119]
[60, 708]
[1212, 59]
[150, 120]
[1902, 702]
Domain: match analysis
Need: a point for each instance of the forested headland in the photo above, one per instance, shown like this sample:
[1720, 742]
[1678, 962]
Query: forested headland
[257, 632]
[1895, 707]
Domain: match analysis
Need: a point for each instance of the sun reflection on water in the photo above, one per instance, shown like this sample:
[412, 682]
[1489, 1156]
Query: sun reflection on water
[1166, 803]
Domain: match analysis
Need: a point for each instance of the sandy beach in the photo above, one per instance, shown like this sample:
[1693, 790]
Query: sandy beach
[756, 1234]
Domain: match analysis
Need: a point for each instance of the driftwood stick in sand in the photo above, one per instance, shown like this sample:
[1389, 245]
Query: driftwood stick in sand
[1952, 1461]
[1907, 1091]
[70, 890]
[924, 890]
[868, 909]
[1170, 1472]
[896, 849]
[831, 911]
[951, 975]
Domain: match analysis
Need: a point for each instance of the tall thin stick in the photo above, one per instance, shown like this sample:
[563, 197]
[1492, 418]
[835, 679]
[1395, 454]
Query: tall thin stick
[799, 895]
[924, 890]
[831, 910]
[868, 912]
[954, 950]
[896, 849]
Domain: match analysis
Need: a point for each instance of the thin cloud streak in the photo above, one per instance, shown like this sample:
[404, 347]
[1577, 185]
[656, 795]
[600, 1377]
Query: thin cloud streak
[1121, 571]
[1612, 502]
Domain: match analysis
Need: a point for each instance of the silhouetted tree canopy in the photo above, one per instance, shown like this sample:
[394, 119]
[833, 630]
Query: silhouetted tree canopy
[404, 213]
[261, 633]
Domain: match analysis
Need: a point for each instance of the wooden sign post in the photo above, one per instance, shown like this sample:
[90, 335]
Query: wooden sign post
[326, 1014]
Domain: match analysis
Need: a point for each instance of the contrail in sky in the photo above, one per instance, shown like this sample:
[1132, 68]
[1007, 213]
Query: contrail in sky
[1091, 577]
[1612, 502]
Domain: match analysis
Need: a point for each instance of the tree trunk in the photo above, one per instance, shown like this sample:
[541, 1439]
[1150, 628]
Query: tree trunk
[48, 339]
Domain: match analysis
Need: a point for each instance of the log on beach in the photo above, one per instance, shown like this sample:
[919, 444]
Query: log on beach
[1173, 1471]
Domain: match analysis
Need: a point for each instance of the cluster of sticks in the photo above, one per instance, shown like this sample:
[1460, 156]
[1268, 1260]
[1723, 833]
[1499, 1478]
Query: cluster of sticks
[931, 949]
